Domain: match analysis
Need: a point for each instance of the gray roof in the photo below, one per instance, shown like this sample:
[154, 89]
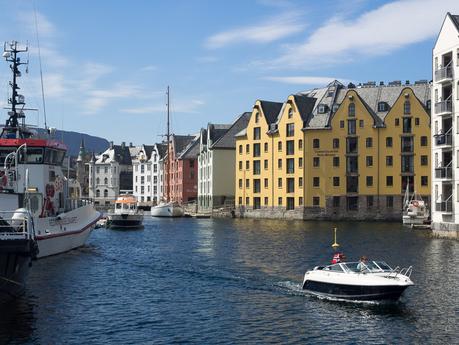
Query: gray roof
[191, 151]
[271, 110]
[180, 142]
[148, 150]
[228, 140]
[162, 149]
[216, 131]
[455, 20]
[122, 154]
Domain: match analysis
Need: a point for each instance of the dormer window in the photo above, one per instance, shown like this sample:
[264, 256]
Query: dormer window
[383, 106]
[351, 110]
[322, 108]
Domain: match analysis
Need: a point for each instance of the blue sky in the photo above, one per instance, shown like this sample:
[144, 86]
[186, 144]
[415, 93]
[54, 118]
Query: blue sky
[107, 64]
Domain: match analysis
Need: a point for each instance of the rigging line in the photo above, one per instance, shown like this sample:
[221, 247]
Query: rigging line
[41, 70]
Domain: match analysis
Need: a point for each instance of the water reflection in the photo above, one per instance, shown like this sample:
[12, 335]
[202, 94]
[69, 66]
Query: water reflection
[18, 320]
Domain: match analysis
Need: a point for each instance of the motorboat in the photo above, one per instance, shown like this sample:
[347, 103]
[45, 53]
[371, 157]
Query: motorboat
[167, 209]
[415, 210]
[126, 215]
[370, 281]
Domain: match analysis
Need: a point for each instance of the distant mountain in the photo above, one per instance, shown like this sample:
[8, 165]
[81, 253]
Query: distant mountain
[73, 140]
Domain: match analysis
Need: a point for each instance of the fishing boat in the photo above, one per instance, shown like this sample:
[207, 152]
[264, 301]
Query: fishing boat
[357, 281]
[167, 207]
[32, 177]
[415, 211]
[126, 215]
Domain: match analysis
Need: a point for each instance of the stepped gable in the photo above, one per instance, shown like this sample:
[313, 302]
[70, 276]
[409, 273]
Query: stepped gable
[228, 140]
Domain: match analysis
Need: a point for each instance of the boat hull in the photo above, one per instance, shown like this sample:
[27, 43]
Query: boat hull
[125, 221]
[355, 292]
[15, 262]
[167, 210]
[68, 231]
[416, 220]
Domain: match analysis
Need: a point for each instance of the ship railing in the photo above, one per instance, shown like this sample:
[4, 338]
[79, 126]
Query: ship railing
[406, 271]
[16, 225]
[74, 203]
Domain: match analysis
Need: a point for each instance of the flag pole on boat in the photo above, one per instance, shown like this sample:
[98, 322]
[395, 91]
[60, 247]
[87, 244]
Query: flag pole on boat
[335, 245]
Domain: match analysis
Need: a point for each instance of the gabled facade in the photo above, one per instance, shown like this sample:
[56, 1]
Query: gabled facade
[339, 153]
[445, 117]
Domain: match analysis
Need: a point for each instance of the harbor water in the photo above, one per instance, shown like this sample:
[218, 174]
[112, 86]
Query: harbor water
[225, 281]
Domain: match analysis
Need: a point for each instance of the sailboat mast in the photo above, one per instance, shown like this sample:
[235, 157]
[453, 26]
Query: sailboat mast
[168, 147]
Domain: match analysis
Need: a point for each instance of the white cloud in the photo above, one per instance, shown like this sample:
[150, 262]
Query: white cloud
[306, 80]
[186, 107]
[45, 27]
[265, 32]
[377, 32]
[99, 98]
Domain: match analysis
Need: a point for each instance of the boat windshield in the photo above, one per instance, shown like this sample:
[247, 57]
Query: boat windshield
[334, 268]
[370, 266]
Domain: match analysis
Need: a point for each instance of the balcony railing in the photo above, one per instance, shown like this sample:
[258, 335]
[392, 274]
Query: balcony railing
[444, 107]
[444, 138]
[444, 73]
[445, 205]
[444, 172]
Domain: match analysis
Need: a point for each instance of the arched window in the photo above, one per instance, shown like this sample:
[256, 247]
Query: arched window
[105, 193]
[97, 180]
[407, 108]
[351, 110]
[105, 181]
[98, 193]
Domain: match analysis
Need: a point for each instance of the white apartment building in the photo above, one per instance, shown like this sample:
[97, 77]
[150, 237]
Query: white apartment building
[147, 173]
[445, 130]
[110, 173]
[216, 164]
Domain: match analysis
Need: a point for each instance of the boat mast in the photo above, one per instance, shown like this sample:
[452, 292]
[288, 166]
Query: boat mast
[10, 52]
[168, 153]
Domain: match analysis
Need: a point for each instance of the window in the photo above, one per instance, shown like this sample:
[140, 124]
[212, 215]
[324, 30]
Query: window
[290, 166]
[335, 181]
[416, 121]
[351, 127]
[300, 144]
[423, 141]
[316, 181]
[369, 142]
[315, 162]
[389, 201]
[352, 145]
[300, 201]
[247, 165]
[290, 204]
[247, 201]
[290, 113]
[279, 201]
[279, 146]
[382, 106]
[315, 201]
[336, 161]
[290, 185]
[300, 182]
[240, 183]
[351, 110]
[389, 142]
[256, 133]
[335, 143]
[97, 193]
[279, 163]
[369, 161]
[266, 183]
[290, 147]
[256, 186]
[389, 161]
[353, 203]
[389, 181]
[256, 150]
[266, 201]
[257, 117]
[424, 160]
[316, 143]
[247, 183]
[105, 193]
[336, 201]
[266, 147]
[265, 164]
[370, 201]
[98, 180]
[240, 165]
[407, 108]
[361, 123]
[290, 128]
[322, 108]
[279, 182]
[407, 128]
[424, 180]
[341, 124]
[256, 203]
[369, 181]
[300, 162]
[256, 167]
[397, 122]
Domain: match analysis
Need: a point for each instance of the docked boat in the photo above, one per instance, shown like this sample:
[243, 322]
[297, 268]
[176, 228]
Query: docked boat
[126, 214]
[31, 177]
[415, 210]
[167, 207]
[370, 281]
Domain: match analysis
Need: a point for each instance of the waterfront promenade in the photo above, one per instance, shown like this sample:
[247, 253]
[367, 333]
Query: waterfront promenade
[232, 281]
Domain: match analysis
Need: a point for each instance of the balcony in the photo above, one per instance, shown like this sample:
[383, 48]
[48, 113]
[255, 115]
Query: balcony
[444, 139]
[445, 206]
[444, 107]
[444, 74]
[444, 172]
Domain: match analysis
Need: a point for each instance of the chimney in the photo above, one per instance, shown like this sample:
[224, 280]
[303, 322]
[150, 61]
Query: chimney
[407, 82]
[381, 83]
[123, 144]
[111, 144]
[130, 144]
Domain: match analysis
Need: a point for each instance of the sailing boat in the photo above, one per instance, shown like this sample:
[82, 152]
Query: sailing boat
[167, 208]
[415, 210]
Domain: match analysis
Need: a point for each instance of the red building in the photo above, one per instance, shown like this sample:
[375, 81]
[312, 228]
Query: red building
[182, 184]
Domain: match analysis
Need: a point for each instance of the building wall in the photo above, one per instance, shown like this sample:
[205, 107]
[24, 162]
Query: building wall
[222, 176]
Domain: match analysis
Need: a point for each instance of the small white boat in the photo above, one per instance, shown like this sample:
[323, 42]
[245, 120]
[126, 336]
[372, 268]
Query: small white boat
[371, 281]
[167, 209]
[415, 211]
[126, 214]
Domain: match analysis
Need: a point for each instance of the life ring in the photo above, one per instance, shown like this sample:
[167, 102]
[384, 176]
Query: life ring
[415, 203]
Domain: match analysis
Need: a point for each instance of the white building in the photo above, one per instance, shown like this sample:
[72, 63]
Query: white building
[216, 164]
[147, 175]
[110, 173]
[445, 118]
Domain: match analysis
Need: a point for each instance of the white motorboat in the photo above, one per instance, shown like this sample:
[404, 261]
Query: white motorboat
[415, 211]
[126, 214]
[167, 209]
[371, 281]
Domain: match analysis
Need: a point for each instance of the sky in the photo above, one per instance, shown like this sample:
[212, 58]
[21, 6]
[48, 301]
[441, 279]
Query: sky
[106, 64]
